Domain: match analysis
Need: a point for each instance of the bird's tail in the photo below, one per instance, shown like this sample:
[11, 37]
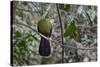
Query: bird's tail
[44, 48]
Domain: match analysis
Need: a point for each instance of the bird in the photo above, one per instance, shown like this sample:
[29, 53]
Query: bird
[45, 28]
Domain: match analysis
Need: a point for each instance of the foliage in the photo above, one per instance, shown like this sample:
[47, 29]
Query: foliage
[71, 30]
[80, 31]
[65, 7]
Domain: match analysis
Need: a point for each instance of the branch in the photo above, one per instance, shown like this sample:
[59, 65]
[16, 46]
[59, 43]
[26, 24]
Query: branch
[33, 30]
[61, 25]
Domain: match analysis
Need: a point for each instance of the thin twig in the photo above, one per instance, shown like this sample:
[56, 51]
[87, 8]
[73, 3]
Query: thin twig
[61, 25]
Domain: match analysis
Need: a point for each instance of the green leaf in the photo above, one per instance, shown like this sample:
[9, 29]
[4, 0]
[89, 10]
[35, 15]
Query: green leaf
[24, 3]
[18, 34]
[27, 36]
[71, 30]
[64, 7]
[22, 43]
[19, 13]
[77, 57]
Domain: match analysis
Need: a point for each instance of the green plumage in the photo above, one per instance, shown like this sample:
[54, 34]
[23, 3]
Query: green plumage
[44, 26]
